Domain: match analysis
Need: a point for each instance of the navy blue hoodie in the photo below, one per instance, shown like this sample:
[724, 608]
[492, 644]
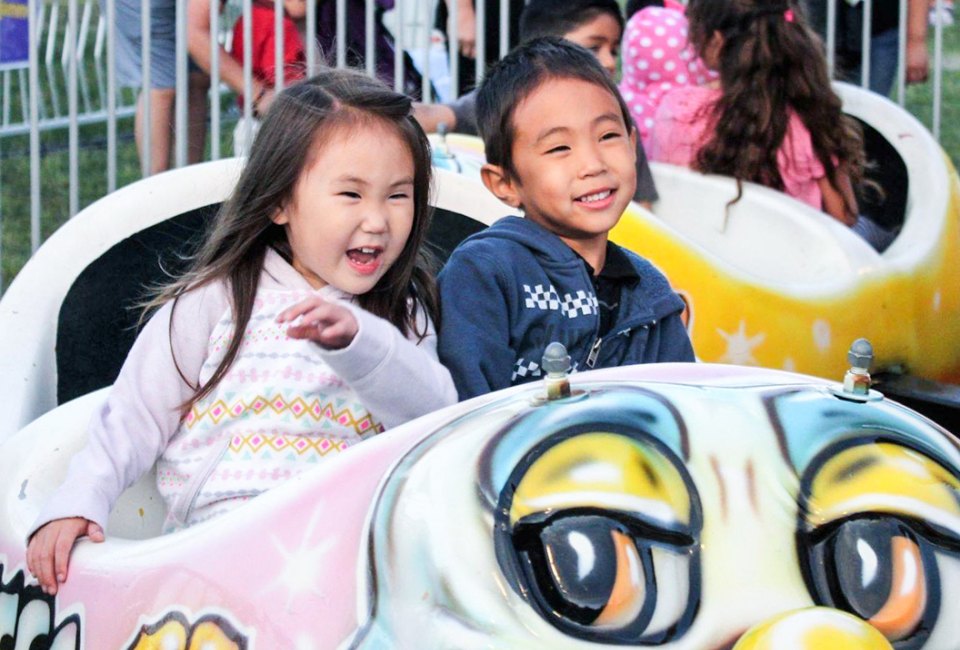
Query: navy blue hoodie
[510, 290]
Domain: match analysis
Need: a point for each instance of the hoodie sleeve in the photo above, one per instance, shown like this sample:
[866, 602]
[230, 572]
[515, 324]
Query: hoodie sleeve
[474, 338]
[396, 378]
[142, 410]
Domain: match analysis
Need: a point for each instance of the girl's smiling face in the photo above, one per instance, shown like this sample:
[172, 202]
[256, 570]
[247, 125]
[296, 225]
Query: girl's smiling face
[352, 209]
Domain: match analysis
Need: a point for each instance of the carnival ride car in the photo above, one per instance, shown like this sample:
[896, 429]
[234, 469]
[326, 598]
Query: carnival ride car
[684, 506]
[770, 281]
[669, 506]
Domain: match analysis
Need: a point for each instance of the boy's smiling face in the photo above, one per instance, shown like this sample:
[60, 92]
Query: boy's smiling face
[601, 35]
[575, 162]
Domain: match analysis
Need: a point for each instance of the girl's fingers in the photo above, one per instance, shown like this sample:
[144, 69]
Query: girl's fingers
[61, 556]
[302, 307]
[95, 532]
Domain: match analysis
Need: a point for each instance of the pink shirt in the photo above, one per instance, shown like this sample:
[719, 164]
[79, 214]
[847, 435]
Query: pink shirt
[656, 59]
[681, 129]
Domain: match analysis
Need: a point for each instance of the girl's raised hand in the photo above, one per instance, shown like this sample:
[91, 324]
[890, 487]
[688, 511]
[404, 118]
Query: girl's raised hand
[330, 325]
[48, 553]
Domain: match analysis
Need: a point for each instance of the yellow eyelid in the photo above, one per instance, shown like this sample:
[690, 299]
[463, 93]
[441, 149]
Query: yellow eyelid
[884, 478]
[605, 471]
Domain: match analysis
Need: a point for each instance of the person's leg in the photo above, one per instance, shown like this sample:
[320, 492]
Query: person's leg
[198, 85]
[883, 61]
[161, 128]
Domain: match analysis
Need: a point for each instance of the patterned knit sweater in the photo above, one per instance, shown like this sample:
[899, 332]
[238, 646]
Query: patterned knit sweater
[283, 406]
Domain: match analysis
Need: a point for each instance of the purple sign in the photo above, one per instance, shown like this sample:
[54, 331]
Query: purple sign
[14, 32]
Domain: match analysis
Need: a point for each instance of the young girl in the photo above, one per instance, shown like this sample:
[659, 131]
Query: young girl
[304, 326]
[774, 119]
[657, 57]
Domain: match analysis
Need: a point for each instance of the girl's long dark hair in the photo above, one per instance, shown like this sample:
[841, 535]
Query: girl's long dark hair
[770, 64]
[298, 122]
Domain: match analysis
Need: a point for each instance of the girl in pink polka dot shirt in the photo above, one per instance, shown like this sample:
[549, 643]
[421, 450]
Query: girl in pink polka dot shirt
[657, 58]
[772, 118]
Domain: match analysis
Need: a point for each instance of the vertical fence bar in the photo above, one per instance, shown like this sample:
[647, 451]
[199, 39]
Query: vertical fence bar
[73, 130]
[369, 43]
[182, 83]
[146, 110]
[214, 81]
[902, 54]
[111, 95]
[480, 13]
[247, 66]
[425, 91]
[453, 43]
[311, 37]
[34, 74]
[831, 37]
[341, 39]
[866, 39]
[398, 70]
[278, 38]
[504, 27]
[52, 33]
[6, 97]
[937, 69]
[1, 207]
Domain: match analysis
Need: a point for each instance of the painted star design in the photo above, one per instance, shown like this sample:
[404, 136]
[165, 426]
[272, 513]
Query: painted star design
[740, 347]
[302, 565]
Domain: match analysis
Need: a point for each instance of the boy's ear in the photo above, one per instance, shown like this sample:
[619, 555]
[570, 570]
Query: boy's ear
[496, 179]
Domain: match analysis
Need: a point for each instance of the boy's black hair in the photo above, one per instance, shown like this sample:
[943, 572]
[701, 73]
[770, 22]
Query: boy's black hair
[523, 70]
[633, 6]
[559, 17]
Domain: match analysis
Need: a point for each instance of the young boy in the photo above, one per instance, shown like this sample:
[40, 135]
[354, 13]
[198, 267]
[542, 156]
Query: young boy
[594, 24]
[560, 146]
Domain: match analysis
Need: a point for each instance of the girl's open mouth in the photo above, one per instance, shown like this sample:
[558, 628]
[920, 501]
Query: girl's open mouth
[365, 259]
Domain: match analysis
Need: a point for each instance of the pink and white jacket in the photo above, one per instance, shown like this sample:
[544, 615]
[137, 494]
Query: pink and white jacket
[657, 57]
[284, 405]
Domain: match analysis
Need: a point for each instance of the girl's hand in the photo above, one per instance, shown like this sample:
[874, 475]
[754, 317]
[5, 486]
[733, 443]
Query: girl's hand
[330, 325]
[48, 552]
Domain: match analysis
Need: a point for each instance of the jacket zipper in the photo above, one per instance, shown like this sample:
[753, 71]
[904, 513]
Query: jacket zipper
[198, 480]
[594, 352]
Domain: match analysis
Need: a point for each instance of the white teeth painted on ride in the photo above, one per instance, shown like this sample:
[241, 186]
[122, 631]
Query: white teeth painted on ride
[599, 196]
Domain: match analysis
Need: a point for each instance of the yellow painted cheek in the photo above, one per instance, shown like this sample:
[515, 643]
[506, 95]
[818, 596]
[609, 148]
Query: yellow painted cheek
[171, 636]
[209, 636]
[815, 628]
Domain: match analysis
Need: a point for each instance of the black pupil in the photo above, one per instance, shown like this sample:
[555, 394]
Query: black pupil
[861, 553]
[573, 562]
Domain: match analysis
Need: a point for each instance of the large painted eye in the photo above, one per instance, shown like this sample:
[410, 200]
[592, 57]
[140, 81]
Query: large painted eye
[880, 538]
[600, 536]
[881, 570]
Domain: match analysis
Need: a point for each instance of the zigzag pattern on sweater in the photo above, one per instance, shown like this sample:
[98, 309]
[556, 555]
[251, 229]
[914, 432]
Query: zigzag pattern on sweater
[297, 407]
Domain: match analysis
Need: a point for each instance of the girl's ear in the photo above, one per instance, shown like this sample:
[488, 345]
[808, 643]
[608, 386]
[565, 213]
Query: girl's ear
[280, 216]
[496, 179]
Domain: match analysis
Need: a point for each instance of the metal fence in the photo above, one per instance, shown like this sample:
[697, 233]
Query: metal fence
[66, 124]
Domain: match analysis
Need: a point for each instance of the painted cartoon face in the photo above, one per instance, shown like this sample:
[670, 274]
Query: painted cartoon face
[671, 516]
